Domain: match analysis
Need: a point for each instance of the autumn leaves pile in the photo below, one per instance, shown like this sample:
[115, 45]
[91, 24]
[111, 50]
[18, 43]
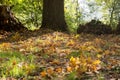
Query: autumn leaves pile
[59, 54]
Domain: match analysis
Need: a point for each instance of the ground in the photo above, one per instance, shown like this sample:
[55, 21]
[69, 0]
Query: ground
[61, 56]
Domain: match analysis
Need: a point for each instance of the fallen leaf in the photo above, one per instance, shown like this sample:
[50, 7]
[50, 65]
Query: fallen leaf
[43, 73]
[59, 70]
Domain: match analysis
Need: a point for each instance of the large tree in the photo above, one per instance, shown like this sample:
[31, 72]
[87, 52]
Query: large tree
[53, 15]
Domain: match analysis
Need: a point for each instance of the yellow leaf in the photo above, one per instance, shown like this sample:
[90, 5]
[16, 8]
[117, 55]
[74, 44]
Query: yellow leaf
[72, 59]
[5, 45]
[70, 43]
[96, 62]
[83, 47]
[77, 36]
[89, 48]
[98, 50]
[99, 56]
[89, 60]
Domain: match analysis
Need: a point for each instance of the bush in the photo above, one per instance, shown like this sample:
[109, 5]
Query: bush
[94, 27]
[118, 29]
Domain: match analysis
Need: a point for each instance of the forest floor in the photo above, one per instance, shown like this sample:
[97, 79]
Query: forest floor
[60, 56]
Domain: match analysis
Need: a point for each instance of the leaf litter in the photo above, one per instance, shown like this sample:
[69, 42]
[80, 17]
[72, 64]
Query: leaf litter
[59, 54]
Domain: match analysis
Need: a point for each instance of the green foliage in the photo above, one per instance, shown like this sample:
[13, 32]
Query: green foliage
[15, 64]
[71, 76]
[72, 14]
[74, 54]
[29, 12]
[111, 10]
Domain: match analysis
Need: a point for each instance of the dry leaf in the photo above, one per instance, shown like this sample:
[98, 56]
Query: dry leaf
[69, 69]
[50, 71]
[96, 62]
[59, 70]
[43, 73]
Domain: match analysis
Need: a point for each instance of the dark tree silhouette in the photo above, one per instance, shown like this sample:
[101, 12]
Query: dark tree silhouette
[8, 21]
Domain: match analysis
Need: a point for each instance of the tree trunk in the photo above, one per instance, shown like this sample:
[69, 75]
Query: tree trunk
[53, 15]
[8, 22]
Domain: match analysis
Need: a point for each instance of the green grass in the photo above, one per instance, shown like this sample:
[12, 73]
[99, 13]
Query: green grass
[71, 76]
[15, 64]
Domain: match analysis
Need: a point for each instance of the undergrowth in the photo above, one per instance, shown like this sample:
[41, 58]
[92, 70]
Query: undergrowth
[15, 64]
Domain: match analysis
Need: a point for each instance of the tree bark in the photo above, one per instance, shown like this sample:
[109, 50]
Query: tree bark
[53, 15]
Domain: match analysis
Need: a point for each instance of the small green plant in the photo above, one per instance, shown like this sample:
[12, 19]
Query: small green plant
[74, 54]
[71, 76]
[14, 64]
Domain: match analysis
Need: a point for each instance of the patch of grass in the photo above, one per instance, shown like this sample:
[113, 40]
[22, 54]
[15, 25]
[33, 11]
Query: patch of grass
[71, 76]
[74, 54]
[15, 64]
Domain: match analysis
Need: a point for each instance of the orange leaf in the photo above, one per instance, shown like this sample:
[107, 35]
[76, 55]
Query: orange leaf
[55, 62]
[69, 69]
[50, 71]
[106, 52]
[59, 70]
[94, 68]
[43, 73]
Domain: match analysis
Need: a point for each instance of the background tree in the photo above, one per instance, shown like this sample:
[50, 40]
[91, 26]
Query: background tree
[111, 10]
[53, 15]
[76, 12]
[73, 14]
